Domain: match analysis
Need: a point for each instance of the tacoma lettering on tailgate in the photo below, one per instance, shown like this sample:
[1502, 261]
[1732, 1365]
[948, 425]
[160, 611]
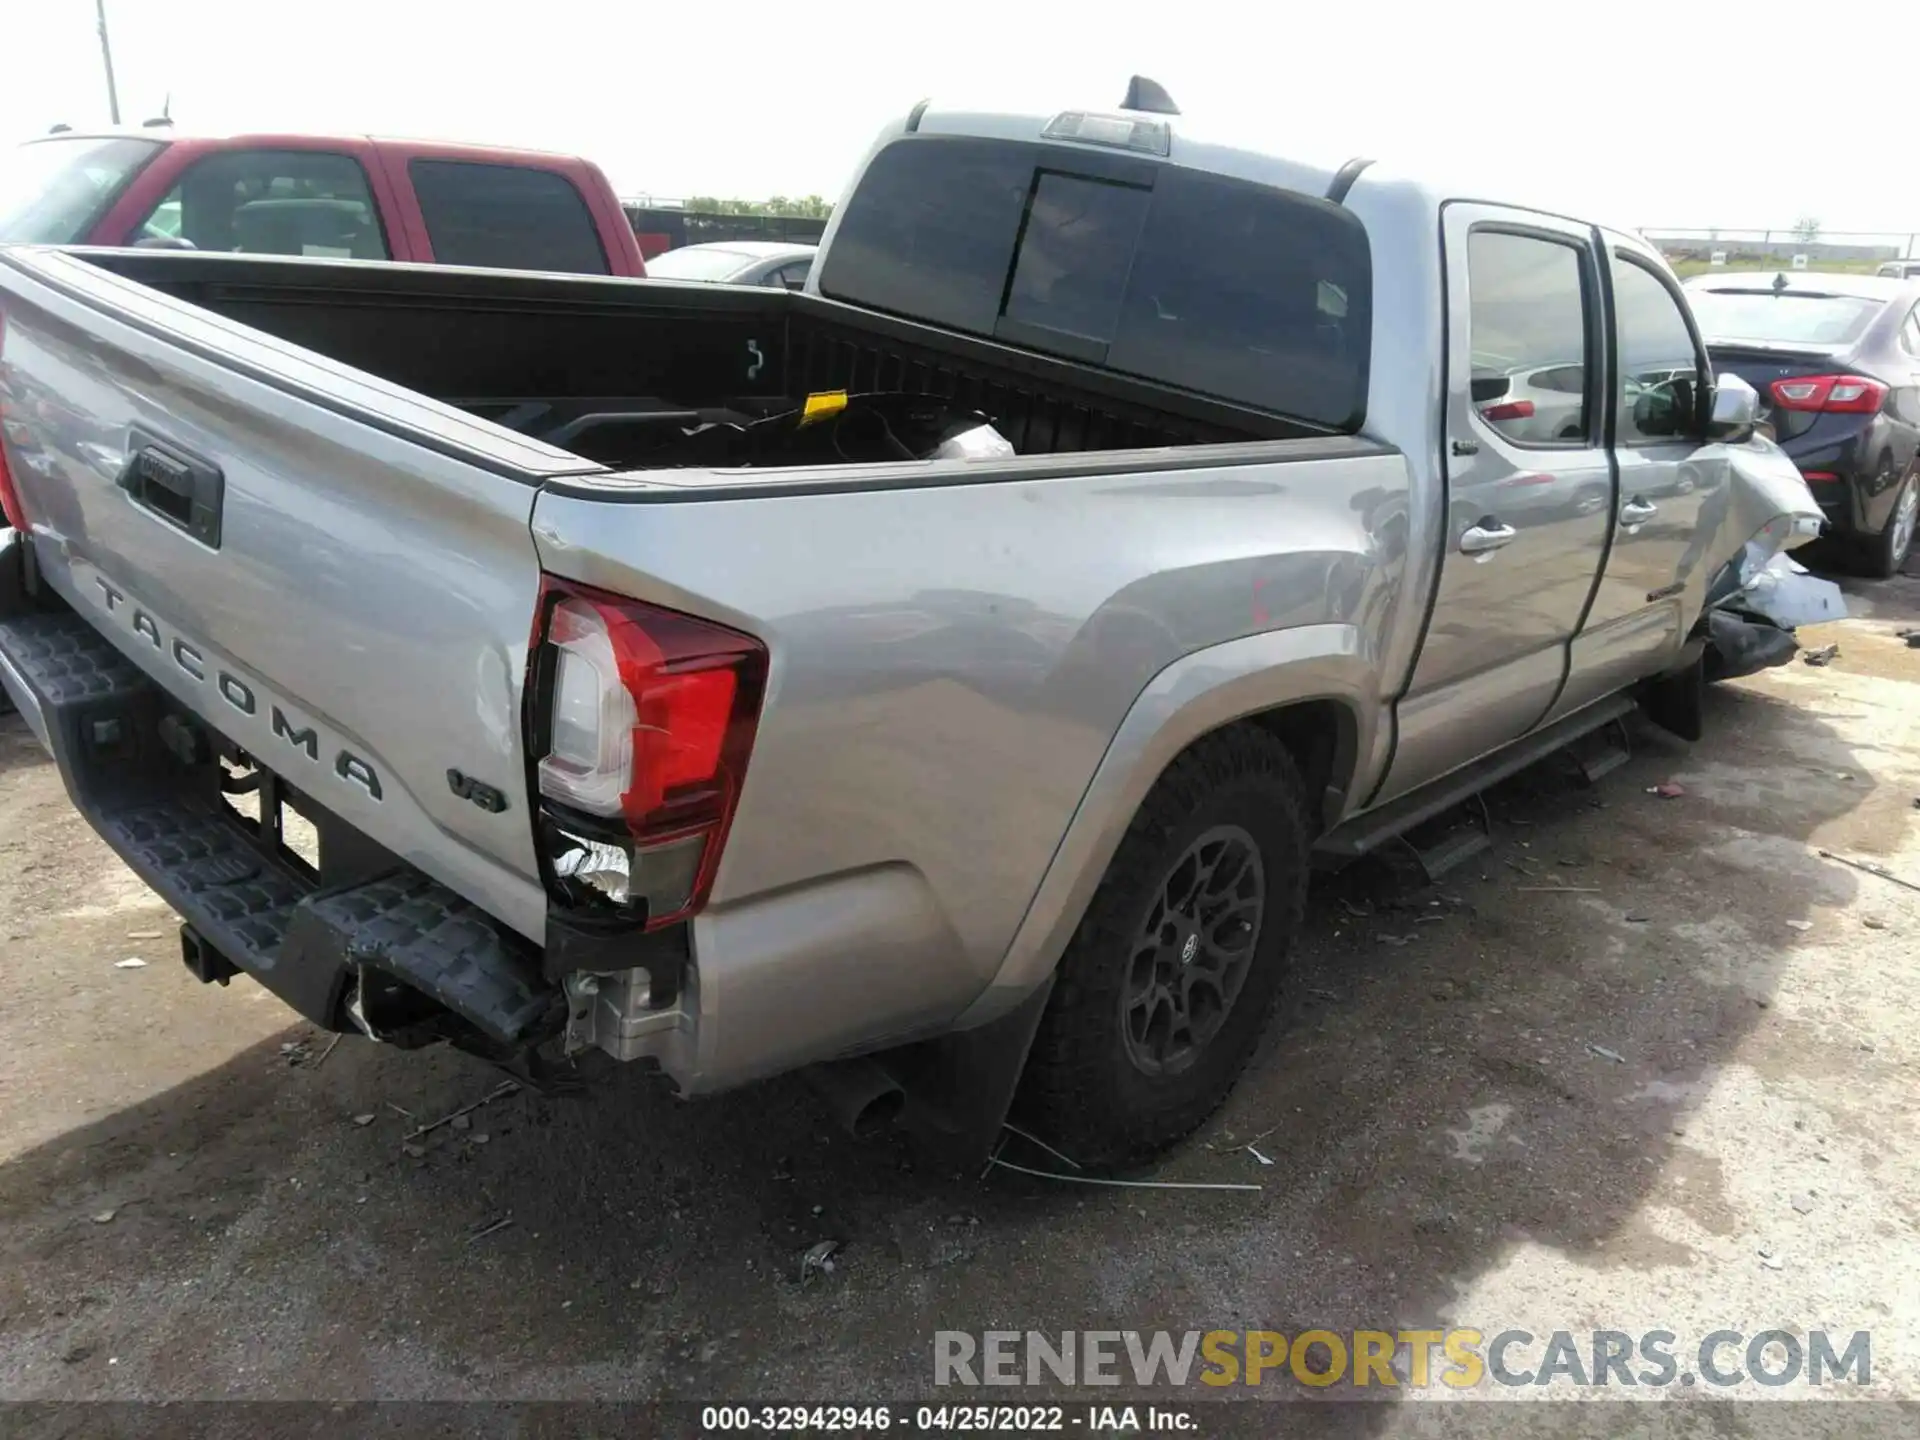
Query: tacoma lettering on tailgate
[233, 690]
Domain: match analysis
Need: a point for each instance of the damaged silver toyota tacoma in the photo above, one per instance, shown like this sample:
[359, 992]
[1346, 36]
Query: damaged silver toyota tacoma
[942, 680]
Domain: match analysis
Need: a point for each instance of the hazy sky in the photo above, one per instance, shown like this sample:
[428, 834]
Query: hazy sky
[1677, 114]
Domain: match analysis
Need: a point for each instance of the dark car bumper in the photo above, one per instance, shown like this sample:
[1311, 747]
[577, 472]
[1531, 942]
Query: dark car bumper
[1850, 467]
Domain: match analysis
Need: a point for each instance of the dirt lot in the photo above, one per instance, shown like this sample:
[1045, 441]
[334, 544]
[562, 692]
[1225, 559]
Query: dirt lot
[1680, 1095]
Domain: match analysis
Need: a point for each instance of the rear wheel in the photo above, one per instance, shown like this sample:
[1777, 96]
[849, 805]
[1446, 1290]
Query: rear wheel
[1887, 551]
[1167, 984]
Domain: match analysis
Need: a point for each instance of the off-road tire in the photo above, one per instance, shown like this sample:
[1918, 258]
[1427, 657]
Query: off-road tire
[1082, 1091]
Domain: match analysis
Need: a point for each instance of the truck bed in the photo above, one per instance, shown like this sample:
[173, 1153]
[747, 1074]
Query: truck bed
[258, 573]
[539, 353]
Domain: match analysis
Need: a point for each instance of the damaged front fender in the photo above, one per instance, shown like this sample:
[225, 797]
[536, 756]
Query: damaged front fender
[1767, 508]
[1758, 595]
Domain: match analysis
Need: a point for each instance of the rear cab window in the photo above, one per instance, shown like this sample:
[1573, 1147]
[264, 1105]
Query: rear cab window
[53, 192]
[507, 217]
[1240, 291]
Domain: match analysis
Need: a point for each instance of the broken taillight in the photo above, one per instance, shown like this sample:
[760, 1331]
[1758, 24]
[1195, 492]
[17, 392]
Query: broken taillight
[643, 722]
[9, 495]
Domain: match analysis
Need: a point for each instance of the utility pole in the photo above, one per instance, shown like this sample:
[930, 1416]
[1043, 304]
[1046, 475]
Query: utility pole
[106, 54]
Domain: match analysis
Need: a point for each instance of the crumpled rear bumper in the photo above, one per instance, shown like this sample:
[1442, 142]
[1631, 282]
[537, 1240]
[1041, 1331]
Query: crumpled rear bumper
[383, 949]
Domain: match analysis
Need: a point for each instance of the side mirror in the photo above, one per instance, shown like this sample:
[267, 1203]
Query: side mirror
[1736, 410]
[1664, 409]
[163, 242]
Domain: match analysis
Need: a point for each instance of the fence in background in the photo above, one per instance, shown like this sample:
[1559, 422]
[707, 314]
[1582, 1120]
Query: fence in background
[1861, 248]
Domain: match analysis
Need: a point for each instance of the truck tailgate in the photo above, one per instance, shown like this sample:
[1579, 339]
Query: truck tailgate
[333, 573]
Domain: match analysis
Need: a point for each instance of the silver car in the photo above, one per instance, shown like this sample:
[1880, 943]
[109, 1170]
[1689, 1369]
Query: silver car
[737, 262]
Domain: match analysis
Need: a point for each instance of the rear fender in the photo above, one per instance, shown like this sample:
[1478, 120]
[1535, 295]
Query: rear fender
[1196, 695]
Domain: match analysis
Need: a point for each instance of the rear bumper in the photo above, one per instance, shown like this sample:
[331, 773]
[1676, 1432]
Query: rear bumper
[388, 952]
[854, 962]
[1850, 448]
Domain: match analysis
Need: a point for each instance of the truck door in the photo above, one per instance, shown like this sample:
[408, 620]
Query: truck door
[1673, 486]
[1529, 489]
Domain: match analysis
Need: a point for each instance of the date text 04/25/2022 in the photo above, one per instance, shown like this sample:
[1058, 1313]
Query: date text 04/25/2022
[947, 1419]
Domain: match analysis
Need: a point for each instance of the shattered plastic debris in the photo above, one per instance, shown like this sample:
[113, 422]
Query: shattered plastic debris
[1605, 1054]
[1825, 655]
[132, 962]
[818, 1260]
[1667, 790]
[105, 1217]
[363, 1120]
[1786, 594]
[1801, 925]
[605, 867]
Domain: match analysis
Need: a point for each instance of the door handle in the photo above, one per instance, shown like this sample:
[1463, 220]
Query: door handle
[1484, 539]
[174, 486]
[1638, 512]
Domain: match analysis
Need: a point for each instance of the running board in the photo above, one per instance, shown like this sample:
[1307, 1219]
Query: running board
[1365, 833]
[1600, 752]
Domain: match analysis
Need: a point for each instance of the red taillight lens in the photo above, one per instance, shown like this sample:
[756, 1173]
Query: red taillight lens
[9, 495]
[1508, 410]
[1831, 394]
[646, 719]
[1818, 477]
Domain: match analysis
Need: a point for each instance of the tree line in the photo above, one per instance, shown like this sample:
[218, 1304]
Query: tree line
[805, 207]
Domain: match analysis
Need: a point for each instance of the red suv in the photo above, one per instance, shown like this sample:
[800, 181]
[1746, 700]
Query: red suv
[340, 197]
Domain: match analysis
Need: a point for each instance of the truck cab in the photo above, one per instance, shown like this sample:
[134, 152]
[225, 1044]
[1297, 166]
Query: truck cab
[332, 197]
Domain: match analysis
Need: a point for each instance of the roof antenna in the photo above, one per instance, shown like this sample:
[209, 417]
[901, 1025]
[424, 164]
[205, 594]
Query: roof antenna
[1148, 96]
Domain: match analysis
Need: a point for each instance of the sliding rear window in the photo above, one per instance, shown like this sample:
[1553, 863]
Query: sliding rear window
[1251, 294]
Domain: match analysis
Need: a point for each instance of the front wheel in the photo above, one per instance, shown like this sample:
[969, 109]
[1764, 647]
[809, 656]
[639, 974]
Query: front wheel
[1167, 983]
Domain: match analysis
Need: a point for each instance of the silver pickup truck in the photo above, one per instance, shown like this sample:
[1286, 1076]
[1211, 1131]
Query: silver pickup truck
[943, 679]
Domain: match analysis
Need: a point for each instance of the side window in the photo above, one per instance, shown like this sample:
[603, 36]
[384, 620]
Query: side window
[506, 217]
[1529, 328]
[1660, 381]
[269, 202]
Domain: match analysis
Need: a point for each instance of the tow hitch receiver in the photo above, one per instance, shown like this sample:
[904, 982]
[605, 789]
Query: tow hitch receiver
[204, 963]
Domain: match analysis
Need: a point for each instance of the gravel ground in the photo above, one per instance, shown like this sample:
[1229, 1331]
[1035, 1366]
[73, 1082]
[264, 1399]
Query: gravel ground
[1678, 1096]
